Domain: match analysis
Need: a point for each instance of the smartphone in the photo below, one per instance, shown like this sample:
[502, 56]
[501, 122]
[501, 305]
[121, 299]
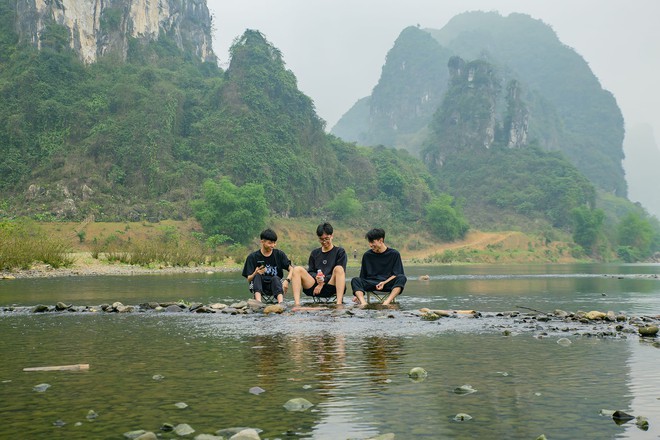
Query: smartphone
[261, 263]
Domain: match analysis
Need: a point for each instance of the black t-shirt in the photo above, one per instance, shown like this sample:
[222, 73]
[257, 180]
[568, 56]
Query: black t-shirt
[379, 267]
[326, 261]
[275, 263]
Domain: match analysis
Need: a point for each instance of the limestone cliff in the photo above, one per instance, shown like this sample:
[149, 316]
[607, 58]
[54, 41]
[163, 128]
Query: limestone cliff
[98, 27]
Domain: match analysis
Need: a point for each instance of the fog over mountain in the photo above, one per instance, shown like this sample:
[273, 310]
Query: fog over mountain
[336, 48]
[641, 166]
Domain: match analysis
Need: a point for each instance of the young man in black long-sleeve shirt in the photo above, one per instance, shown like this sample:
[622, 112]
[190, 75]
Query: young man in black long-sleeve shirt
[381, 270]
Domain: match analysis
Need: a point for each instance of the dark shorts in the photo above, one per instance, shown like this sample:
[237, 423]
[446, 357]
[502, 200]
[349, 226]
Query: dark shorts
[327, 291]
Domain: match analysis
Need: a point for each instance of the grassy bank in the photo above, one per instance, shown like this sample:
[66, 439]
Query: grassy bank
[180, 243]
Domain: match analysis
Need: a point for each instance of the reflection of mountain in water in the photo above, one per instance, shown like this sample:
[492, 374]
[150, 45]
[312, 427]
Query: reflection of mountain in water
[642, 166]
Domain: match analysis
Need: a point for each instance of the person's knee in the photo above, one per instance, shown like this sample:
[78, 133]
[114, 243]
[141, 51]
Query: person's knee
[299, 271]
[338, 270]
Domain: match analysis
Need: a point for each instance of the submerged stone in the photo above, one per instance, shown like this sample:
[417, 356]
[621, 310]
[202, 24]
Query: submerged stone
[465, 389]
[181, 405]
[91, 414]
[298, 404]
[257, 390]
[134, 434]
[564, 342]
[642, 423]
[41, 387]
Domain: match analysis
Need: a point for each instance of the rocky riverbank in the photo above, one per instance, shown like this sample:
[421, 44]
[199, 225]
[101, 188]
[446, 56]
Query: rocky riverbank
[508, 323]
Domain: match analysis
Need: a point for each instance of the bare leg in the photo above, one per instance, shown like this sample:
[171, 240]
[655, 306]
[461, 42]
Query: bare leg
[392, 295]
[257, 296]
[360, 297]
[280, 298]
[300, 278]
[339, 281]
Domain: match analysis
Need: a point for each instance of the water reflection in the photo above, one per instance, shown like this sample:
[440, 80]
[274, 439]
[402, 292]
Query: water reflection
[353, 369]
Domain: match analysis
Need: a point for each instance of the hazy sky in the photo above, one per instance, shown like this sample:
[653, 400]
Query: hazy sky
[336, 48]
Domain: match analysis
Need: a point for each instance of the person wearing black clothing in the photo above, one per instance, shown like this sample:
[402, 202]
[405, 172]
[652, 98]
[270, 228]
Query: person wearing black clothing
[264, 268]
[381, 270]
[325, 275]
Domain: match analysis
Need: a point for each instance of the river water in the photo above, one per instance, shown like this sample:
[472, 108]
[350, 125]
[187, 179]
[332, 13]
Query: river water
[352, 368]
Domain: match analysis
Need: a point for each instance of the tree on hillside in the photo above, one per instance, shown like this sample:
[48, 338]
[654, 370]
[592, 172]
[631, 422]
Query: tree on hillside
[345, 205]
[587, 226]
[227, 209]
[636, 237]
[445, 218]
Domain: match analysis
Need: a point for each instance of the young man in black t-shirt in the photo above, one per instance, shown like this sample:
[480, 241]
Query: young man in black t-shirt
[381, 270]
[325, 275]
[264, 267]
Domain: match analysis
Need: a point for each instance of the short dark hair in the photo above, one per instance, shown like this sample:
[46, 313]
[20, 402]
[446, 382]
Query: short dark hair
[268, 234]
[324, 228]
[375, 234]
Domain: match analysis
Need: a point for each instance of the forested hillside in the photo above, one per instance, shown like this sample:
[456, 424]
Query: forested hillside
[137, 139]
[158, 133]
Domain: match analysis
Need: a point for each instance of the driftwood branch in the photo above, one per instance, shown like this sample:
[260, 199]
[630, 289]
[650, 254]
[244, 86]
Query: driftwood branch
[533, 310]
[73, 367]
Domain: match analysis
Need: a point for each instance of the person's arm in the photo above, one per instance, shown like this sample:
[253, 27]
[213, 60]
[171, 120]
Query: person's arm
[380, 285]
[255, 272]
[286, 282]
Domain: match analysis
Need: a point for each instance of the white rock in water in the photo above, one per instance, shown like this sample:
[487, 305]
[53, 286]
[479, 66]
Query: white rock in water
[246, 434]
[462, 417]
[181, 405]
[41, 387]
[257, 390]
[564, 342]
[465, 389]
[417, 373]
[183, 429]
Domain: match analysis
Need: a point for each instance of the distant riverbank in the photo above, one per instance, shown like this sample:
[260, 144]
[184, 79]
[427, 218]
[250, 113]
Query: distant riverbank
[85, 265]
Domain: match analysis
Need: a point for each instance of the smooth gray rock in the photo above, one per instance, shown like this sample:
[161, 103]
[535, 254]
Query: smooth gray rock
[246, 434]
[183, 429]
